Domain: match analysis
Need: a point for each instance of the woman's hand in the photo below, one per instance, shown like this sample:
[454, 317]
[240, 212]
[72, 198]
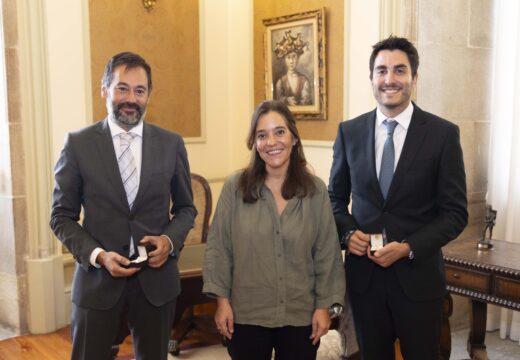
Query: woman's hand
[224, 317]
[320, 324]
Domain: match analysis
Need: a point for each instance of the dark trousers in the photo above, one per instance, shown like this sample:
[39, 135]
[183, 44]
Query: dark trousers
[252, 342]
[95, 331]
[384, 313]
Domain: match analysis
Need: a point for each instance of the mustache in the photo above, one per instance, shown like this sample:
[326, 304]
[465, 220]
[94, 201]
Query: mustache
[129, 105]
[391, 86]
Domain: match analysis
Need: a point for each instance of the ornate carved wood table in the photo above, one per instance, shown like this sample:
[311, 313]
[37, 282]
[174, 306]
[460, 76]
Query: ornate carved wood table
[486, 277]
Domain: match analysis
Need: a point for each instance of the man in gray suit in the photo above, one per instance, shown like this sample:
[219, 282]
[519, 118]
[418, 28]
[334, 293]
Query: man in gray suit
[123, 172]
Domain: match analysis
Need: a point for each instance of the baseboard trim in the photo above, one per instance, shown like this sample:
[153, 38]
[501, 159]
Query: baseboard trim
[46, 301]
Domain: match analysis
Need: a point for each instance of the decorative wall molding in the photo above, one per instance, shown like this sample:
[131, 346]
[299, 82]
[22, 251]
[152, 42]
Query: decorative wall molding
[43, 262]
[87, 68]
[389, 18]
[410, 22]
[3, 79]
[399, 18]
[318, 144]
[36, 116]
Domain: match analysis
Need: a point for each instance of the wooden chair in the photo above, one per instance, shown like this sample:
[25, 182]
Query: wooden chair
[190, 266]
[203, 203]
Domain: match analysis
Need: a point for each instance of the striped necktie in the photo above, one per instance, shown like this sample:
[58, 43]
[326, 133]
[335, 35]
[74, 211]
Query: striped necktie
[127, 167]
[386, 172]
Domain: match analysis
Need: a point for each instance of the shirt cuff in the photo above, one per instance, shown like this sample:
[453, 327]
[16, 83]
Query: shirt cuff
[344, 240]
[93, 257]
[171, 244]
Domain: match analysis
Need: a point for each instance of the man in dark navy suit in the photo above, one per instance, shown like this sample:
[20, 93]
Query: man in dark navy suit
[401, 169]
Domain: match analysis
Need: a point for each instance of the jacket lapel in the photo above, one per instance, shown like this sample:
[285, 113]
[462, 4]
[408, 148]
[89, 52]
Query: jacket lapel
[107, 154]
[370, 151]
[150, 153]
[412, 144]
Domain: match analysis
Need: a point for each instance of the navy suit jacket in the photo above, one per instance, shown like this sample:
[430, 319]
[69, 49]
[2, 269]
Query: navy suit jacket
[426, 203]
[87, 177]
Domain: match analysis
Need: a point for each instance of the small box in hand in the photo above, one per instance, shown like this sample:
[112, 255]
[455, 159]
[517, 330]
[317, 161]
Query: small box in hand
[376, 242]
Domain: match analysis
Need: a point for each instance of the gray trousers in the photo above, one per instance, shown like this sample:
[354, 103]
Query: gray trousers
[95, 331]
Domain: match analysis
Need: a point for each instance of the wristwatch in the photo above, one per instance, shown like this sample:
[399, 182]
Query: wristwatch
[335, 310]
[410, 254]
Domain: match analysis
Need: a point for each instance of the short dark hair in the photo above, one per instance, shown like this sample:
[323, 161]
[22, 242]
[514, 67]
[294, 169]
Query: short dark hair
[130, 60]
[396, 43]
[299, 181]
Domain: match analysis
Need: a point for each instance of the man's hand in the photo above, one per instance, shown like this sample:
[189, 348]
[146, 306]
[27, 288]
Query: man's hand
[390, 253]
[114, 263]
[320, 324]
[358, 243]
[224, 317]
[157, 257]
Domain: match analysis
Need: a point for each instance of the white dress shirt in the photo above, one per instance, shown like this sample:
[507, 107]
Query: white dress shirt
[403, 121]
[136, 146]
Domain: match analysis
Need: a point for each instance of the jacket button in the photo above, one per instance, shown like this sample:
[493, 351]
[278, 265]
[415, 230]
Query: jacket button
[131, 217]
[126, 247]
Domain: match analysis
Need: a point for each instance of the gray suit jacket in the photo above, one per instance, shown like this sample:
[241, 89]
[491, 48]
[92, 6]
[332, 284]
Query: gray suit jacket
[87, 176]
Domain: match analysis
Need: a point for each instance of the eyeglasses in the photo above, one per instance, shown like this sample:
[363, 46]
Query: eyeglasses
[123, 90]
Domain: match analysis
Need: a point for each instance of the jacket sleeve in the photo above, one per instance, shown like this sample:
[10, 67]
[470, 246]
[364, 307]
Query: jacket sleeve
[451, 201]
[340, 187]
[183, 210]
[66, 206]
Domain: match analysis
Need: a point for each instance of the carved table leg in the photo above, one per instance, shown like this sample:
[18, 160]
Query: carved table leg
[477, 334]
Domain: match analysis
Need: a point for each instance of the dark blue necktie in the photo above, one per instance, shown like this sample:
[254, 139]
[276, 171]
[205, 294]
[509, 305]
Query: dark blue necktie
[386, 172]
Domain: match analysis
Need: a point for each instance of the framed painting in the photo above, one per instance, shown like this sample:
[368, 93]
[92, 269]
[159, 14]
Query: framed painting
[295, 70]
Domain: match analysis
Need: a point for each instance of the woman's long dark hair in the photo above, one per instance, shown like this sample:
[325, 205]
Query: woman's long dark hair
[299, 181]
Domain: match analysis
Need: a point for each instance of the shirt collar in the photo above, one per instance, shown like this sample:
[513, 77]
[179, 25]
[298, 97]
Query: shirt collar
[402, 119]
[115, 130]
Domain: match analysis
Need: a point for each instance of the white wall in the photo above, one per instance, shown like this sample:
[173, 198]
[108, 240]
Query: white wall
[68, 62]
[361, 31]
[226, 87]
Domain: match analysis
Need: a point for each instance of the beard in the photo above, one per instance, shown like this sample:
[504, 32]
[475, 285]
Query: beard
[392, 102]
[127, 120]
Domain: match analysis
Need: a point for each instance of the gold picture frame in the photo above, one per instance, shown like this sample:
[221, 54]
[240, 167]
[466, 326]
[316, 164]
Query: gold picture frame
[295, 70]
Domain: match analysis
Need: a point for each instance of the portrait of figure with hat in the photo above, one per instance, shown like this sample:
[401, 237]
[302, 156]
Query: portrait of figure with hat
[295, 63]
[293, 87]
